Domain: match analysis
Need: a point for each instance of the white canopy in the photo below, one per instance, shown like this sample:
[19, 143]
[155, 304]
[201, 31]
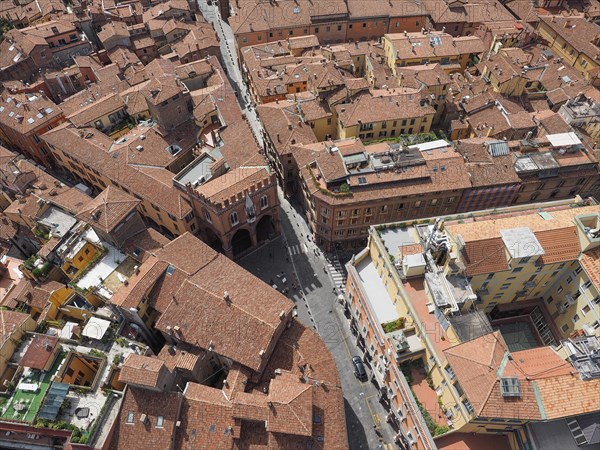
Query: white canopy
[563, 139]
[96, 328]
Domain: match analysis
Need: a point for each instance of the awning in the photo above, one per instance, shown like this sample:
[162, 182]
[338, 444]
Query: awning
[54, 398]
[96, 328]
[563, 139]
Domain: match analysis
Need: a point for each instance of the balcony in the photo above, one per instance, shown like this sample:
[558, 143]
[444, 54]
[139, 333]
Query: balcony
[407, 345]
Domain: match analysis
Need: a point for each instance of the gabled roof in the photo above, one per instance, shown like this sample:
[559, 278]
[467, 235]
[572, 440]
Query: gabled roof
[10, 323]
[108, 209]
[207, 320]
[291, 410]
[39, 351]
[142, 370]
[590, 261]
[548, 386]
[136, 434]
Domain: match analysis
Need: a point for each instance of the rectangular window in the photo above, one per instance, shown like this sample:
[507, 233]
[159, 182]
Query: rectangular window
[130, 417]
[159, 421]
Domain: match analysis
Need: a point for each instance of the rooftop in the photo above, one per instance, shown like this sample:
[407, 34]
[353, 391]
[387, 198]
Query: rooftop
[376, 292]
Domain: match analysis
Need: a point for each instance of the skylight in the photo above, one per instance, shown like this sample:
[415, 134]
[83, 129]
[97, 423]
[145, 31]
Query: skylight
[510, 387]
[435, 41]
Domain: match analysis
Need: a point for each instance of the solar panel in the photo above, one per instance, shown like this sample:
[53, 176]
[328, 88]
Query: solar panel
[510, 387]
[498, 148]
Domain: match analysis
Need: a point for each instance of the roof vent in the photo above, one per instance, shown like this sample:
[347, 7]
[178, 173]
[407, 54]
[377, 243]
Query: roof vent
[282, 315]
[144, 419]
[261, 353]
[226, 296]
[139, 148]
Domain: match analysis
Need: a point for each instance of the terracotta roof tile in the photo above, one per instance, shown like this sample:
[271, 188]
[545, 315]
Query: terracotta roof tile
[232, 183]
[108, 209]
[10, 322]
[131, 295]
[590, 261]
[39, 351]
[291, 410]
[144, 244]
[127, 436]
[142, 370]
[568, 395]
[490, 228]
[559, 245]
[577, 35]
[485, 256]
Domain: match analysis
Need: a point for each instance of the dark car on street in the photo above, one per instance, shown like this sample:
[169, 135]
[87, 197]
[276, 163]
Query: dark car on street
[359, 368]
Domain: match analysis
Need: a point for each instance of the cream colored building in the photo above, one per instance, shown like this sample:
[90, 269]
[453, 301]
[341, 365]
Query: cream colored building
[423, 291]
[412, 49]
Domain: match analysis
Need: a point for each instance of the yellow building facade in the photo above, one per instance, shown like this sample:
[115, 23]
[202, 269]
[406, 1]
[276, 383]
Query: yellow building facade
[456, 297]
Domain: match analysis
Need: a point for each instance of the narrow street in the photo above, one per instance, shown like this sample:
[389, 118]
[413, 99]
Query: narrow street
[230, 59]
[293, 263]
[292, 259]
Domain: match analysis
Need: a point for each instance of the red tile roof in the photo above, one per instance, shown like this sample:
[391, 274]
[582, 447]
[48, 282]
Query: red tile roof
[590, 261]
[39, 351]
[550, 387]
[142, 370]
[137, 434]
[108, 209]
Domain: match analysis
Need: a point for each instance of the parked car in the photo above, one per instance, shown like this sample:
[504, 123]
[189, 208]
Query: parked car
[359, 368]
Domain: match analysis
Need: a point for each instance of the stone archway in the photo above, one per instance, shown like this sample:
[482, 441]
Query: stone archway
[241, 241]
[265, 229]
[213, 240]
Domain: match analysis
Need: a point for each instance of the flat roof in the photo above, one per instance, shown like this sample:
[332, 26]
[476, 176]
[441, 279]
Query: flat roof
[57, 221]
[563, 139]
[195, 170]
[377, 294]
[521, 243]
[103, 268]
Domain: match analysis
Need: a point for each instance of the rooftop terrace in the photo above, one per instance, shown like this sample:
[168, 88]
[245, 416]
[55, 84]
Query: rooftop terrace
[377, 294]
